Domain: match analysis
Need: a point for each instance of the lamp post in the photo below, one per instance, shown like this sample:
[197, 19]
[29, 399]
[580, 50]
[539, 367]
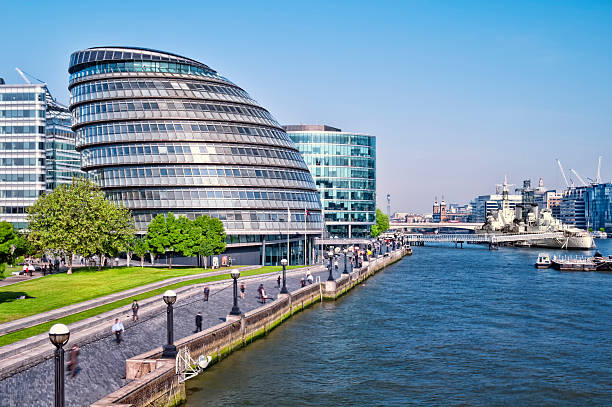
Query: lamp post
[59, 335]
[330, 256]
[169, 349]
[345, 251]
[235, 310]
[284, 289]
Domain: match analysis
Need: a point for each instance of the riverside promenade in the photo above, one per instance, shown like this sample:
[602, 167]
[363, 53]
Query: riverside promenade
[102, 360]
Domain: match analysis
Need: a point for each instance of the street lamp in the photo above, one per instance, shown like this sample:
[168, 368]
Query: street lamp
[169, 348]
[345, 251]
[235, 310]
[284, 289]
[59, 335]
[330, 256]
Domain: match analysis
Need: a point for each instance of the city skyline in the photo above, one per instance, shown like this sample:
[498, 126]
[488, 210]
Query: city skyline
[453, 93]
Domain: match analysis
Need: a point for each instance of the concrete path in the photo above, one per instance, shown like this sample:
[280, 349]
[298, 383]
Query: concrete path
[51, 315]
[102, 361]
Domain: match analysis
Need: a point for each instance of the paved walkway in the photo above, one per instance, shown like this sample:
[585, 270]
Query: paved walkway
[54, 314]
[102, 362]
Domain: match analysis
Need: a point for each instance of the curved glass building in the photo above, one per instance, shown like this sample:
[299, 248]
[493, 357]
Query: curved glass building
[160, 132]
[343, 165]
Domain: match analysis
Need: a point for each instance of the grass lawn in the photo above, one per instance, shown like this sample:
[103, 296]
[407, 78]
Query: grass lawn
[8, 270]
[35, 330]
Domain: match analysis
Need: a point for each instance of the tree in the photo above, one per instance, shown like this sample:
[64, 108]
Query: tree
[382, 224]
[116, 231]
[140, 248]
[165, 234]
[77, 219]
[210, 237]
[12, 244]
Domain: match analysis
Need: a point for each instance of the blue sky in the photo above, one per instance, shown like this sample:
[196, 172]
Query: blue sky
[457, 93]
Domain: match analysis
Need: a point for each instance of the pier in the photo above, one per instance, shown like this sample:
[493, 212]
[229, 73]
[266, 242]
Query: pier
[492, 239]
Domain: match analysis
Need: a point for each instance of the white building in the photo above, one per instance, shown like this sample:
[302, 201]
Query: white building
[36, 148]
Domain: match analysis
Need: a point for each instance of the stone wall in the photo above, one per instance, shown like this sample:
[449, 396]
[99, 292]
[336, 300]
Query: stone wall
[154, 380]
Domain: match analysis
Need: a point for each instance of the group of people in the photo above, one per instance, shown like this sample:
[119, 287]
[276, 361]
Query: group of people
[309, 279]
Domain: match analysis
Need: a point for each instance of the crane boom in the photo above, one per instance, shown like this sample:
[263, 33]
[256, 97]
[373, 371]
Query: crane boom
[598, 179]
[25, 78]
[567, 184]
[579, 177]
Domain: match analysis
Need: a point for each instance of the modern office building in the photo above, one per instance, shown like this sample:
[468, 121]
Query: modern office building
[37, 148]
[160, 132]
[598, 203]
[343, 165]
[573, 208]
[484, 205]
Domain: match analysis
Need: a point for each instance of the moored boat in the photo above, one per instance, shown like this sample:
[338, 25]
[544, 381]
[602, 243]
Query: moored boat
[543, 261]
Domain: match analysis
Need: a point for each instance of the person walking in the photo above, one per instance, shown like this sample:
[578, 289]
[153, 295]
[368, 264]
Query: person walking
[278, 281]
[242, 290]
[73, 360]
[118, 329]
[336, 265]
[309, 278]
[303, 282]
[206, 293]
[135, 308]
[198, 322]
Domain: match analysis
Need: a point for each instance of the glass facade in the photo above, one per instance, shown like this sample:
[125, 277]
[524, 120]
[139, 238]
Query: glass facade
[343, 165]
[162, 132]
[598, 200]
[37, 148]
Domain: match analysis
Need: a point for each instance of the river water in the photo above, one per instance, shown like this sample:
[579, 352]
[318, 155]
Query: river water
[445, 326]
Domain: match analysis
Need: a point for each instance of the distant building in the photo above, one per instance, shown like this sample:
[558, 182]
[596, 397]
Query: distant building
[37, 148]
[439, 211]
[343, 165]
[572, 207]
[484, 205]
[598, 202]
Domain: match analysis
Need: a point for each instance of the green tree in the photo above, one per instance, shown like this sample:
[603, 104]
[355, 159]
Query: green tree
[382, 224]
[165, 234]
[209, 237]
[116, 231]
[12, 244]
[77, 219]
[140, 248]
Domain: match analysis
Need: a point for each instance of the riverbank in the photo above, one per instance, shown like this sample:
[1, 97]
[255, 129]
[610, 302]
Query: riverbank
[155, 380]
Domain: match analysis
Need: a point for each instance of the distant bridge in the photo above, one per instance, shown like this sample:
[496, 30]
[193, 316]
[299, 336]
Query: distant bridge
[434, 225]
[486, 238]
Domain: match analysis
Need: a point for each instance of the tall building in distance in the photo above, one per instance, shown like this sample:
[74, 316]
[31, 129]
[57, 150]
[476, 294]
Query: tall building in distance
[37, 148]
[160, 132]
[343, 165]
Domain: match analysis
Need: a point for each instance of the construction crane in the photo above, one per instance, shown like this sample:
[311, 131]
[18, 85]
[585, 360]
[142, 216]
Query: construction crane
[25, 75]
[598, 179]
[567, 184]
[579, 177]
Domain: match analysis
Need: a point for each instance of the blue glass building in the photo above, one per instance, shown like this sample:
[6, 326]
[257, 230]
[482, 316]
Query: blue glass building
[160, 132]
[598, 203]
[343, 165]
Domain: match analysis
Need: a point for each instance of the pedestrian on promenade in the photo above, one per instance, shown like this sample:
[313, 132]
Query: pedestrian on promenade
[309, 278]
[118, 329]
[336, 265]
[263, 294]
[206, 293]
[135, 307]
[242, 290]
[278, 280]
[73, 360]
[198, 321]
[303, 282]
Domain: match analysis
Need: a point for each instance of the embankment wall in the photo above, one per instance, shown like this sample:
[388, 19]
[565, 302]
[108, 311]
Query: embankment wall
[155, 381]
